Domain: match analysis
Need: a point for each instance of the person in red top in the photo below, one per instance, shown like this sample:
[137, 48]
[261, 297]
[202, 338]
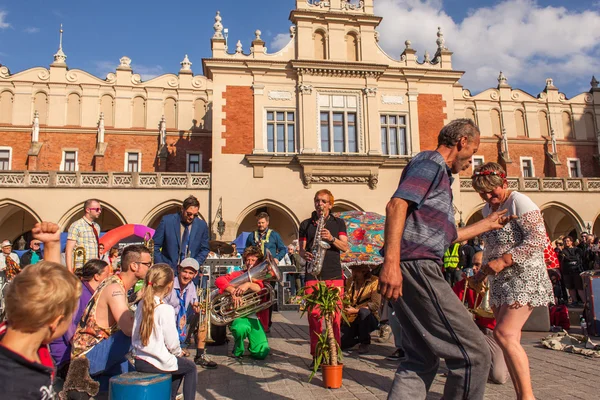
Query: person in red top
[251, 326]
[498, 370]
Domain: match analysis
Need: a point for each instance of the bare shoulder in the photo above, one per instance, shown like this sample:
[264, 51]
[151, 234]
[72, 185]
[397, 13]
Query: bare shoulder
[114, 290]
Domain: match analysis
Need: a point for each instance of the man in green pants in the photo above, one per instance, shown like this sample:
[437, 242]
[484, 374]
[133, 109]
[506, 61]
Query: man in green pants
[246, 327]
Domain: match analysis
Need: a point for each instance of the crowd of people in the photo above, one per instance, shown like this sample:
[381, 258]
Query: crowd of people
[84, 321]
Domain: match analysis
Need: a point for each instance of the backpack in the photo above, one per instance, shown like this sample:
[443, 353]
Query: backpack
[559, 316]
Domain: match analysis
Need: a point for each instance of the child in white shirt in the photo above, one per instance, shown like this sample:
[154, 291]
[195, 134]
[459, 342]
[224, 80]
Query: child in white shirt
[155, 339]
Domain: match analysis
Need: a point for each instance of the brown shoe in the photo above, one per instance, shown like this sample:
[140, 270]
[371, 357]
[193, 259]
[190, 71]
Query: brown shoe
[363, 348]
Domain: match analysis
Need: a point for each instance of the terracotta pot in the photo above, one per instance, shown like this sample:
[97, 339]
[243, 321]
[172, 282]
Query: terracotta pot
[332, 376]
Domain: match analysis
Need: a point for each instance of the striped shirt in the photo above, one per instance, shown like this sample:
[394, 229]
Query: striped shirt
[82, 233]
[430, 227]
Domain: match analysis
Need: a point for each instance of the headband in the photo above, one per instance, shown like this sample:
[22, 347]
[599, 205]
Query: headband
[488, 172]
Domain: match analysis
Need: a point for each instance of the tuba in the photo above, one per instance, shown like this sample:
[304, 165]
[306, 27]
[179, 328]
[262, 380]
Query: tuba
[222, 309]
[79, 257]
[318, 250]
[149, 244]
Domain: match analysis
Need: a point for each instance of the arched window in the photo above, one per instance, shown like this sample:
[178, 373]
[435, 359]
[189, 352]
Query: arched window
[496, 125]
[352, 47]
[199, 113]
[590, 125]
[320, 46]
[520, 122]
[107, 108]
[139, 113]
[74, 110]
[470, 114]
[40, 103]
[6, 107]
[543, 122]
[567, 127]
[171, 113]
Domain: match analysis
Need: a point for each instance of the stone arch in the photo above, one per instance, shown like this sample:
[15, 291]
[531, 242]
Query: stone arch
[496, 120]
[521, 123]
[282, 219]
[138, 106]
[153, 217]
[73, 109]
[40, 104]
[352, 46]
[543, 122]
[200, 109]
[475, 215]
[170, 112]
[110, 218]
[567, 125]
[342, 205]
[320, 41]
[6, 106]
[590, 125]
[596, 225]
[471, 114]
[107, 106]
[17, 219]
[560, 219]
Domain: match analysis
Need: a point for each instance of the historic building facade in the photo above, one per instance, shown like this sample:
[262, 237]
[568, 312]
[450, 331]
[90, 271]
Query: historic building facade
[264, 131]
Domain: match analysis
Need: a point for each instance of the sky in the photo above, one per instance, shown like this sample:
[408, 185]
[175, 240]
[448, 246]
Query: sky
[528, 40]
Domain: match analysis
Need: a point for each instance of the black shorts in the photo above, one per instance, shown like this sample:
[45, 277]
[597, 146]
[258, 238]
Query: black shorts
[573, 281]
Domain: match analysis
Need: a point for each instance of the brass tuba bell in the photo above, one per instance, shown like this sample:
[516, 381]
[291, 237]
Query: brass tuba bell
[79, 257]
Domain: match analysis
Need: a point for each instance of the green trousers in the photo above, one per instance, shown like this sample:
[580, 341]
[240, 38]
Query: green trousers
[251, 328]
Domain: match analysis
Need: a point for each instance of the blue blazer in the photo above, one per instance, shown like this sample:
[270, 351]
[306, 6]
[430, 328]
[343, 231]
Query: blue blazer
[167, 240]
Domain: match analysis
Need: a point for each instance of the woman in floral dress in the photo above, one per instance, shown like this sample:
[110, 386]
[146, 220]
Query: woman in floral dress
[514, 261]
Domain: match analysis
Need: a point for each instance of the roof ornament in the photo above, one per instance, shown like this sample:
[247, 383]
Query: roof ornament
[549, 83]
[162, 128]
[594, 83]
[218, 26]
[60, 57]
[427, 58]
[35, 128]
[257, 33]
[186, 64]
[238, 47]
[440, 40]
[501, 79]
[101, 128]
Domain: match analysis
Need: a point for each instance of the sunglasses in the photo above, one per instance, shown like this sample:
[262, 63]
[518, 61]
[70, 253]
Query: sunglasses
[36, 244]
[147, 264]
[97, 209]
[192, 214]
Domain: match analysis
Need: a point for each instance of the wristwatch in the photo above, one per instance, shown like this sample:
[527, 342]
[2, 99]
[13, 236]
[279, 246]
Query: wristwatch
[332, 240]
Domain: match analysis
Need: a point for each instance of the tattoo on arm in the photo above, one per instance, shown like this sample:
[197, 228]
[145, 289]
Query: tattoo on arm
[117, 293]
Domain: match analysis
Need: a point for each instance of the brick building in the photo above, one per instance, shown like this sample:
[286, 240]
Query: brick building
[263, 131]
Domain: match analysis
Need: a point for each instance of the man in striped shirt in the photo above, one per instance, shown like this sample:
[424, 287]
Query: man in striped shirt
[84, 232]
[419, 227]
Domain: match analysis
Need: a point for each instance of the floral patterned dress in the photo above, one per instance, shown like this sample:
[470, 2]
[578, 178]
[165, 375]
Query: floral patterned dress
[526, 282]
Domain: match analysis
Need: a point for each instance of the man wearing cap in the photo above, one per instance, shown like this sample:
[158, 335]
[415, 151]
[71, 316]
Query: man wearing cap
[33, 255]
[184, 299]
[84, 232]
[7, 252]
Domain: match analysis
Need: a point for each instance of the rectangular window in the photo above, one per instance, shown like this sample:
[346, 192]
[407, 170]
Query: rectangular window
[133, 162]
[477, 161]
[5, 160]
[339, 124]
[281, 131]
[574, 168]
[194, 163]
[393, 135]
[69, 161]
[527, 167]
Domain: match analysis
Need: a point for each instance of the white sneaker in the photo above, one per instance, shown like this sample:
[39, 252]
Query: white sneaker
[179, 396]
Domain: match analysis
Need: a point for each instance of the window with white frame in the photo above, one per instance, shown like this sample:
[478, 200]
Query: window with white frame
[574, 167]
[477, 161]
[527, 170]
[133, 161]
[5, 158]
[339, 123]
[394, 141]
[281, 131]
[69, 161]
[194, 162]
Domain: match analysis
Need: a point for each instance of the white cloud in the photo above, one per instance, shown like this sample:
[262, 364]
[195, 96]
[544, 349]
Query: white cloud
[528, 42]
[279, 41]
[3, 23]
[31, 29]
[147, 72]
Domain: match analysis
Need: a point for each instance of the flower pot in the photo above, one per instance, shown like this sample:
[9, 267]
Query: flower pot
[332, 376]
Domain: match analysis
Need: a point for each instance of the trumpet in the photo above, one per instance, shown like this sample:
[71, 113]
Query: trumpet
[204, 318]
[149, 244]
[484, 309]
[79, 257]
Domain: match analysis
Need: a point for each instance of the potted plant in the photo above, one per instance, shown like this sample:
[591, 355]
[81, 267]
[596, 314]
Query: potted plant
[327, 301]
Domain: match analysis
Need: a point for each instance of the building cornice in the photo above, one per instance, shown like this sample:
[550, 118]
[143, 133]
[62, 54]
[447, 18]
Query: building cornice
[334, 16]
[338, 69]
[94, 131]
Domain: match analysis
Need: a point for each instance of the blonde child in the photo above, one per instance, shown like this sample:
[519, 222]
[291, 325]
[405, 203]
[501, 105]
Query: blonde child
[40, 303]
[155, 339]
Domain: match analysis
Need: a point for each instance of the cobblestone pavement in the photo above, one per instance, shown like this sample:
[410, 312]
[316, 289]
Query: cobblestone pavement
[284, 374]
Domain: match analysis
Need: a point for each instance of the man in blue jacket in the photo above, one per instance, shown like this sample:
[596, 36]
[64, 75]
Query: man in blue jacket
[181, 235]
[266, 239]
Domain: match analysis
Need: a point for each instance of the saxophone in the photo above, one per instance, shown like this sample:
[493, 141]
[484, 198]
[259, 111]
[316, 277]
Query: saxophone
[318, 250]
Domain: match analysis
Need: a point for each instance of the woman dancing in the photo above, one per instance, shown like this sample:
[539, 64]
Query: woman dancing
[514, 261]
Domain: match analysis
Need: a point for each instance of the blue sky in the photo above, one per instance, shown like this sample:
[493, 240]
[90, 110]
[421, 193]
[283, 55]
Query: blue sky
[528, 40]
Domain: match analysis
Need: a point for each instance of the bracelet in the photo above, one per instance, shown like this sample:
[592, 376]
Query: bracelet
[332, 240]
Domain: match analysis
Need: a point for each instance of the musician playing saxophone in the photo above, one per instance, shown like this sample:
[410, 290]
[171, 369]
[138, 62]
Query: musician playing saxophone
[248, 327]
[363, 311]
[334, 233]
[498, 370]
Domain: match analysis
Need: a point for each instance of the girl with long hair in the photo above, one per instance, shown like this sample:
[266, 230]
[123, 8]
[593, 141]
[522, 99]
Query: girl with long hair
[155, 339]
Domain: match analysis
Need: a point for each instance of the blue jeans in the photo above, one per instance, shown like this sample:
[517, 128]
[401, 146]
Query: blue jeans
[107, 358]
[296, 282]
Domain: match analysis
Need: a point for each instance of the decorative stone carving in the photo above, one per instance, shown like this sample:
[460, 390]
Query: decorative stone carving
[588, 98]
[173, 82]
[504, 146]
[280, 95]
[111, 77]
[501, 79]
[515, 95]
[124, 63]
[292, 31]
[5, 73]
[101, 128]
[305, 89]
[258, 89]
[370, 91]
[553, 141]
[257, 34]
[494, 95]
[162, 131]
[377, 36]
[136, 79]
[440, 40]
[44, 75]
[348, 5]
[186, 65]
[35, 128]
[594, 83]
[392, 99]
[60, 57]
[427, 58]
[317, 3]
[466, 93]
[218, 27]
[72, 76]
[238, 47]
[197, 82]
[549, 83]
